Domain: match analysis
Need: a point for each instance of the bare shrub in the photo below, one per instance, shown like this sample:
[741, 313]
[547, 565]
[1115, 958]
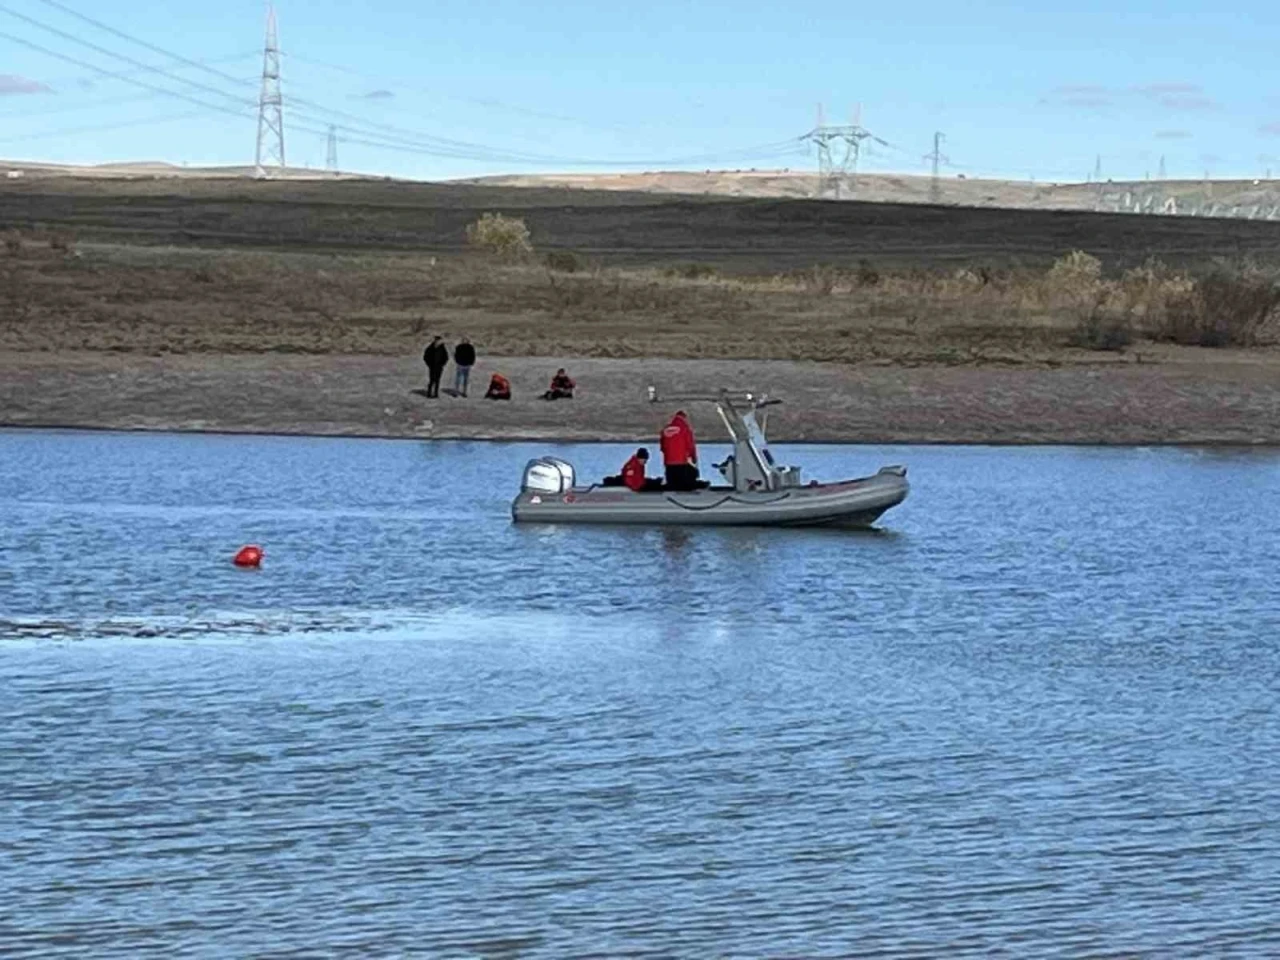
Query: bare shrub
[867, 275]
[1101, 328]
[63, 243]
[1147, 291]
[1228, 307]
[13, 243]
[564, 261]
[962, 283]
[501, 236]
[1074, 277]
[821, 278]
[15, 294]
[691, 271]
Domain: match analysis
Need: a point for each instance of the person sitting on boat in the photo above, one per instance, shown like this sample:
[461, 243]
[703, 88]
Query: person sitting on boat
[633, 473]
[680, 454]
[561, 387]
[499, 388]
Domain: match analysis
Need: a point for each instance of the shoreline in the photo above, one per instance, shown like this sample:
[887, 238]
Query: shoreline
[604, 439]
[1199, 399]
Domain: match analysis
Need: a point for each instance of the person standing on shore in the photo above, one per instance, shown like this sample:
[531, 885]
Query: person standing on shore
[680, 453]
[436, 357]
[464, 357]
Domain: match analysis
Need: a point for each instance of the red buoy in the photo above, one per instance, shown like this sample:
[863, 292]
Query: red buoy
[249, 556]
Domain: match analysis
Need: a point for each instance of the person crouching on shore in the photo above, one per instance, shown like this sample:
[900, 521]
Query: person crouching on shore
[561, 387]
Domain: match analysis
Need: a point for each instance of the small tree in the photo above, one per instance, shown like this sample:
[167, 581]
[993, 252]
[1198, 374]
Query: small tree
[505, 237]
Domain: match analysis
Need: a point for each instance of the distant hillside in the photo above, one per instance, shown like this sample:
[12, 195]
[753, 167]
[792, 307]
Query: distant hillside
[747, 235]
[1254, 199]
[153, 169]
[1242, 199]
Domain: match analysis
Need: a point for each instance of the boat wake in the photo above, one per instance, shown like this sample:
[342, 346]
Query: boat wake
[222, 625]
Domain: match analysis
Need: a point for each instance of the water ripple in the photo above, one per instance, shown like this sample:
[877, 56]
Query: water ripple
[1037, 718]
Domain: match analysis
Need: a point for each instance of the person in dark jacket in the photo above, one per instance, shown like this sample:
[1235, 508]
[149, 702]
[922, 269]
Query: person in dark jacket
[436, 357]
[464, 356]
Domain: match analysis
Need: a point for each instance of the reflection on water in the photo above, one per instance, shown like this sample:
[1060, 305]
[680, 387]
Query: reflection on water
[1034, 715]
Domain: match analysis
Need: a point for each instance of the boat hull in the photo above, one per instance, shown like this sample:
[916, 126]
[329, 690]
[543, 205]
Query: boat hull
[851, 503]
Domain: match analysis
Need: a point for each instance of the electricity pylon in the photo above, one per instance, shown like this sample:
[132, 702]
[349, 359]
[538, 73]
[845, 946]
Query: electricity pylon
[331, 150]
[938, 158]
[270, 102]
[838, 150]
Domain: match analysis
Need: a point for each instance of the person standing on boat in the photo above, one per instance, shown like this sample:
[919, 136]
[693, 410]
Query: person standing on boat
[464, 357]
[436, 357]
[680, 453]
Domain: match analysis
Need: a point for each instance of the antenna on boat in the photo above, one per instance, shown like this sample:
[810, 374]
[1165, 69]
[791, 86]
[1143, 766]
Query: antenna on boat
[757, 400]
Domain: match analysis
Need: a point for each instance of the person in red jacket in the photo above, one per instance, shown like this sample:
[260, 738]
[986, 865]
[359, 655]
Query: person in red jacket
[562, 387]
[633, 475]
[680, 453]
[499, 388]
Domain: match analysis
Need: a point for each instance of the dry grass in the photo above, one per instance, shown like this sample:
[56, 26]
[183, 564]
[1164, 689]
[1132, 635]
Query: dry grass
[59, 295]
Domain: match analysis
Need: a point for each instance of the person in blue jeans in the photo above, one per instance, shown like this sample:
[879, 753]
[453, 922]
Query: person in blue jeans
[464, 356]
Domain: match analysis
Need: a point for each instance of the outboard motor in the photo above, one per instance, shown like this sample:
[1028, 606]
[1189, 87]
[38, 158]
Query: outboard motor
[548, 475]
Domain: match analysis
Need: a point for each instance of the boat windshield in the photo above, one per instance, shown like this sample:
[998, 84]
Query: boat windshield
[756, 436]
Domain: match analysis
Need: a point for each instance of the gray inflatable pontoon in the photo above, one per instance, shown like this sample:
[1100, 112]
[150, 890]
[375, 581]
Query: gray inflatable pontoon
[757, 491]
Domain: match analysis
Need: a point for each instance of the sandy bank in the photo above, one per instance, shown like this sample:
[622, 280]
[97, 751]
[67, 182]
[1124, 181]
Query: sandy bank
[1225, 399]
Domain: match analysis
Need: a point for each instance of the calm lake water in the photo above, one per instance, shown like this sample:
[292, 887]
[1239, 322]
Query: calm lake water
[1035, 715]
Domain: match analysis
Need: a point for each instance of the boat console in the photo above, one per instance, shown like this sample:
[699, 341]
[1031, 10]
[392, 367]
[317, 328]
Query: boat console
[751, 466]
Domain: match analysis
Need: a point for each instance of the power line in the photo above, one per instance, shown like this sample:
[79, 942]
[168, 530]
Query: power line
[198, 64]
[102, 127]
[137, 83]
[119, 56]
[474, 101]
[75, 107]
[231, 58]
[371, 130]
[369, 133]
[92, 104]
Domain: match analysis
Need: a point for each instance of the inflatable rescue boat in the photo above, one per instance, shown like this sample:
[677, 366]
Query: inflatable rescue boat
[756, 490]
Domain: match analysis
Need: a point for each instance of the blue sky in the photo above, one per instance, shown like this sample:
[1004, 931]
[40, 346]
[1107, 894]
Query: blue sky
[441, 90]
